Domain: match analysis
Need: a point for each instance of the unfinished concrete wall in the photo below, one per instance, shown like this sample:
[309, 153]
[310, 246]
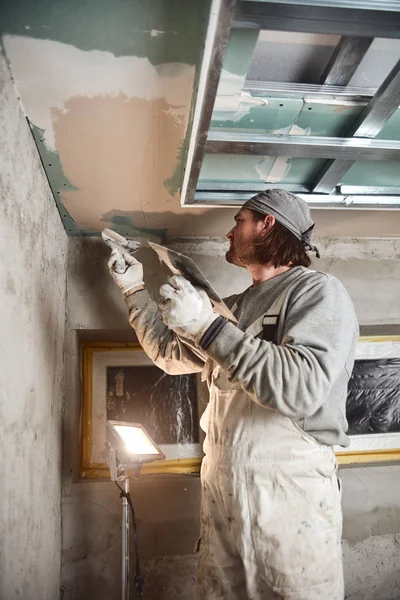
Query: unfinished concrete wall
[168, 505]
[33, 248]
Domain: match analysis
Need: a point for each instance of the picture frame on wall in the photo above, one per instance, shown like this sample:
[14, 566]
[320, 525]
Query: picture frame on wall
[373, 403]
[120, 382]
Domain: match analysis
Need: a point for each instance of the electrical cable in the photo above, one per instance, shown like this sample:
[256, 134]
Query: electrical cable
[138, 580]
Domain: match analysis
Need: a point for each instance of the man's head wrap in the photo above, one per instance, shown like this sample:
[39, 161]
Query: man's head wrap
[289, 210]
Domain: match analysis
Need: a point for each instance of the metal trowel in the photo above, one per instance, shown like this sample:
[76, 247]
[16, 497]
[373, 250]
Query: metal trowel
[124, 245]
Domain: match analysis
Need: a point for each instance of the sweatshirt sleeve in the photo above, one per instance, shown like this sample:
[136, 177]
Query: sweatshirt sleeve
[319, 336]
[173, 355]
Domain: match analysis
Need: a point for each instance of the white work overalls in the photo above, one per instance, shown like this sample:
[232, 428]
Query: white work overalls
[271, 518]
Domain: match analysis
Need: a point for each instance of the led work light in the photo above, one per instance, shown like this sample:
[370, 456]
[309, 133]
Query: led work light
[129, 446]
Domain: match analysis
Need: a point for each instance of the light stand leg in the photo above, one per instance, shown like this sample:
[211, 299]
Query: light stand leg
[125, 542]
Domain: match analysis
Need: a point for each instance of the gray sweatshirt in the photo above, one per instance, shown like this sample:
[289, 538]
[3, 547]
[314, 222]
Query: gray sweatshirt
[304, 376]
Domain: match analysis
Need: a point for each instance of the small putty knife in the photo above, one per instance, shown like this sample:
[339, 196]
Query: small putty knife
[118, 242]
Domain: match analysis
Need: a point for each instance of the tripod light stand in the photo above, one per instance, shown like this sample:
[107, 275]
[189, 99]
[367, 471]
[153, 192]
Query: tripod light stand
[129, 447]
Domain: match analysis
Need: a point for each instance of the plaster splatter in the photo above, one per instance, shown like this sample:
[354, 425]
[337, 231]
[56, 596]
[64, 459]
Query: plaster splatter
[279, 170]
[230, 84]
[233, 108]
[293, 129]
[263, 168]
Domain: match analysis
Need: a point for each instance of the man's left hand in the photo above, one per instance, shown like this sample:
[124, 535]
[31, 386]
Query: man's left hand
[185, 309]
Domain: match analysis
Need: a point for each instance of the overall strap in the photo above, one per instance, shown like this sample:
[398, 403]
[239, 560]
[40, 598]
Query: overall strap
[267, 324]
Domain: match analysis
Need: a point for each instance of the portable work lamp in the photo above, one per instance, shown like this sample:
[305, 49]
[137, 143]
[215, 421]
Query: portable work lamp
[129, 447]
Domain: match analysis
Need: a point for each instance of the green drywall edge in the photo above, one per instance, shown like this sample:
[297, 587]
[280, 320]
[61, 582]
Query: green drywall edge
[232, 168]
[243, 169]
[303, 170]
[385, 173]
[239, 50]
[280, 113]
[121, 27]
[391, 130]
[174, 183]
[328, 119]
[121, 222]
[277, 114]
[56, 178]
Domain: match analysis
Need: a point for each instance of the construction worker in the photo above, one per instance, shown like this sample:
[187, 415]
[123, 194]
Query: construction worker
[271, 516]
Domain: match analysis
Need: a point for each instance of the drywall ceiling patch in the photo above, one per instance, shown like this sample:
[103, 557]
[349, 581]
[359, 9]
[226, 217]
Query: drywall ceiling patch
[279, 170]
[35, 62]
[118, 152]
[233, 108]
[117, 124]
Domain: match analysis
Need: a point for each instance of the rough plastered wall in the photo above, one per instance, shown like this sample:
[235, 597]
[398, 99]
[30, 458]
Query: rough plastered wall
[33, 249]
[167, 506]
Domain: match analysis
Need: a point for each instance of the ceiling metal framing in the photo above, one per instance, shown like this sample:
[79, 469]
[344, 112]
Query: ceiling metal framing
[222, 13]
[341, 19]
[203, 198]
[389, 5]
[359, 26]
[345, 60]
[377, 113]
[308, 91]
[302, 146]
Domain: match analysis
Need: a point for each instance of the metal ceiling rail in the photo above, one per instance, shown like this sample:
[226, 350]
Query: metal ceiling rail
[369, 190]
[219, 27]
[388, 5]
[330, 175]
[385, 102]
[343, 20]
[303, 90]
[360, 18]
[345, 60]
[251, 187]
[333, 201]
[381, 107]
[303, 146]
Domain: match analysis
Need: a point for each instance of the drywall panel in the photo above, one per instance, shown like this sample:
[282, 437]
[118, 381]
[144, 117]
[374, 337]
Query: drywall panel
[33, 248]
[108, 89]
[220, 168]
[372, 173]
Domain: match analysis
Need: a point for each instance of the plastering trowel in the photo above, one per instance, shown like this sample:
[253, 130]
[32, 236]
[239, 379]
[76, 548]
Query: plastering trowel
[118, 242]
[179, 264]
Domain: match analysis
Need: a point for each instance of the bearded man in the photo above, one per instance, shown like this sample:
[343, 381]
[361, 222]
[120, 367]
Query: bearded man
[271, 516]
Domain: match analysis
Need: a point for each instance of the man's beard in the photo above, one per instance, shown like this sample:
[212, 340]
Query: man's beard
[241, 257]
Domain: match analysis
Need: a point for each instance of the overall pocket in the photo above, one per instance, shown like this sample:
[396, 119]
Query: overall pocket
[230, 413]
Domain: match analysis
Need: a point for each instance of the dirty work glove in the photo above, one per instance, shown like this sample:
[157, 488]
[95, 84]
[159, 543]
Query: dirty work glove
[132, 279]
[185, 309]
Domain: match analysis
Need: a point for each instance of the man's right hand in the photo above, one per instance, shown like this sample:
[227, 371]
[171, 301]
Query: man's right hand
[133, 276]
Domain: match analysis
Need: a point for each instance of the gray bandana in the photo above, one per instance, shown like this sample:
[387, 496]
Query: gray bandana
[289, 210]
